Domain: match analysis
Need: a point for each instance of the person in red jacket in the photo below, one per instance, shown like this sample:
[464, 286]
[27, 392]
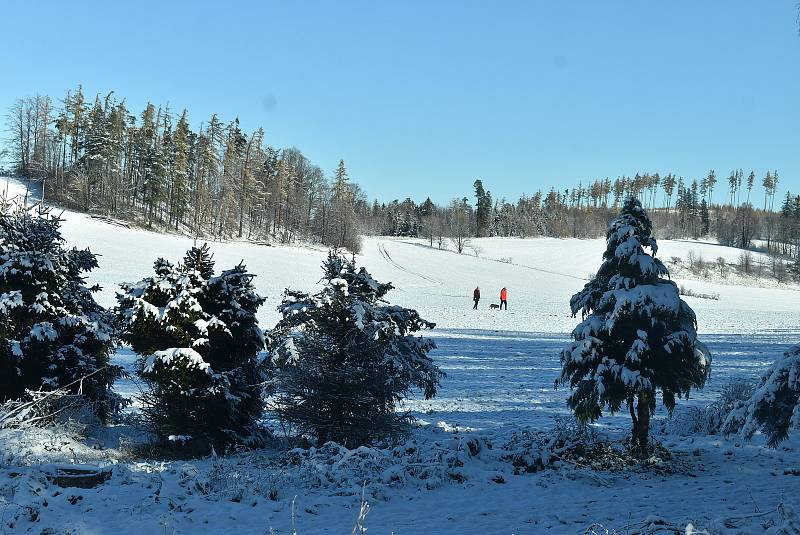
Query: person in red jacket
[476, 296]
[503, 298]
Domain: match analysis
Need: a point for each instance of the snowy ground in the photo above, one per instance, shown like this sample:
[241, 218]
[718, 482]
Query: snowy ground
[499, 389]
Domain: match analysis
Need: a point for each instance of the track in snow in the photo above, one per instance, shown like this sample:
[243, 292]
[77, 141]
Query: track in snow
[385, 254]
[487, 259]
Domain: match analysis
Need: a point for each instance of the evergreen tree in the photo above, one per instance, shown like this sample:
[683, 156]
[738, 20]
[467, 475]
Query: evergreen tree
[94, 155]
[705, 220]
[345, 231]
[793, 270]
[150, 165]
[768, 183]
[669, 186]
[787, 208]
[198, 341]
[694, 208]
[77, 107]
[427, 214]
[637, 337]
[179, 171]
[483, 209]
[201, 260]
[343, 359]
[774, 407]
[234, 346]
[52, 332]
[711, 181]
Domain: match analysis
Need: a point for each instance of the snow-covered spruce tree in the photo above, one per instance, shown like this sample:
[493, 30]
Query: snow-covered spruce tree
[794, 270]
[343, 358]
[199, 341]
[774, 407]
[200, 260]
[52, 332]
[637, 335]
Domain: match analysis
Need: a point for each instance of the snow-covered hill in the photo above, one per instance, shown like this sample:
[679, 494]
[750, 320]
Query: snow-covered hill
[501, 366]
[541, 277]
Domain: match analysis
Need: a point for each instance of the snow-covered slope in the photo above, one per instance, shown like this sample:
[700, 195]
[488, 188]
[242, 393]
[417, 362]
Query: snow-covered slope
[501, 366]
[544, 274]
[541, 277]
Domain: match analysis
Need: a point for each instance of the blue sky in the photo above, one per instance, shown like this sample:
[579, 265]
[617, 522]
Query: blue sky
[422, 97]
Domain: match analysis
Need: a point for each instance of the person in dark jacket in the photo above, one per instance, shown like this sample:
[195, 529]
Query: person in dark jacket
[476, 296]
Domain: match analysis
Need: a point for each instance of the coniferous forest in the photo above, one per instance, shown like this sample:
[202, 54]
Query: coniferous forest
[220, 182]
[151, 168]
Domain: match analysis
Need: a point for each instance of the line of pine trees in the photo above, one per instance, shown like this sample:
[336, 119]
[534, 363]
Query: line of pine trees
[680, 208]
[154, 169]
[220, 182]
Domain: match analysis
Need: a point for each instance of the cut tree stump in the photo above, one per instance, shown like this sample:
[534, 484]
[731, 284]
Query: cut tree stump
[76, 475]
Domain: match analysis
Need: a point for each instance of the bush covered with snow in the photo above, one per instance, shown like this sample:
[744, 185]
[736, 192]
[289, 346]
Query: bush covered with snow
[530, 450]
[415, 463]
[342, 358]
[774, 406]
[709, 419]
[199, 342]
[638, 337]
[52, 332]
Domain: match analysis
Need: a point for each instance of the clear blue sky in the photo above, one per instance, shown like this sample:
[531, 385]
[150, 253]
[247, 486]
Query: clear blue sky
[422, 97]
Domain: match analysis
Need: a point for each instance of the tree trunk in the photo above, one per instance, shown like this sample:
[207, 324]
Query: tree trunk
[643, 424]
[634, 420]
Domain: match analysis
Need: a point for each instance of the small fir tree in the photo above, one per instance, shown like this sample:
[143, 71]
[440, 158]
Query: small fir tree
[201, 260]
[637, 336]
[52, 332]
[235, 347]
[483, 210]
[793, 270]
[161, 319]
[343, 359]
[199, 341]
[774, 407]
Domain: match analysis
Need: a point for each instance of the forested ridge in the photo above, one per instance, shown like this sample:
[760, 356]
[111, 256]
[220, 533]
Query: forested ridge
[220, 182]
[216, 181]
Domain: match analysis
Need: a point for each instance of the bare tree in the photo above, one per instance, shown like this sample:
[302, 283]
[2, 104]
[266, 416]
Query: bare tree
[459, 224]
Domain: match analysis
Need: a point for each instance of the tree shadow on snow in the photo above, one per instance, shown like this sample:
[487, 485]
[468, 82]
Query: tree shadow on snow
[500, 380]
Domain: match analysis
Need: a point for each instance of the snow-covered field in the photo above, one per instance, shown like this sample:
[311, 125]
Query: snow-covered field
[453, 475]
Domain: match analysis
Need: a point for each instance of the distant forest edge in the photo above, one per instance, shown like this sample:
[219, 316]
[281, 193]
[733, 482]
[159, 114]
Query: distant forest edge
[219, 182]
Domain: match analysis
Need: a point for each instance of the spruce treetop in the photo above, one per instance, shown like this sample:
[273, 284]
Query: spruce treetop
[200, 260]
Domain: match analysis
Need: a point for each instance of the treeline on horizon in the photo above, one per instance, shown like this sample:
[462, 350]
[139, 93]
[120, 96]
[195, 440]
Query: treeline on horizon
[219, 182]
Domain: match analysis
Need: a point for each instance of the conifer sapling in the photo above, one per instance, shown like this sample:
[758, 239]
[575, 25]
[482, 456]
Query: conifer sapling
[343, 358]
[199, 342]
[52, 332]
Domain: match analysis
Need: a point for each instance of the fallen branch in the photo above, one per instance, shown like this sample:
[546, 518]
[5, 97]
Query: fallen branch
[18, 412]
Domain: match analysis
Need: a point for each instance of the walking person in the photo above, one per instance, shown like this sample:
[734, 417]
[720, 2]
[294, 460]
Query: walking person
[504, 298]
[476, 296]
